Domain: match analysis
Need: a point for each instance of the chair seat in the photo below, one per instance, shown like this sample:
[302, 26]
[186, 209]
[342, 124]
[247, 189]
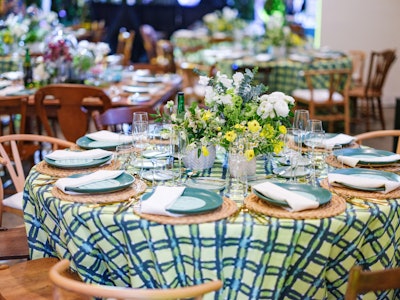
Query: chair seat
[319, 95]
[359, 92]
[14, 201]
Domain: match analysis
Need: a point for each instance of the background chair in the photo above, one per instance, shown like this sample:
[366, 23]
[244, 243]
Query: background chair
[361, 281]
[360, 138]
[70, 102]
[30, 280]
[330, 104]
[63, 283]
[14, 108]
[150, 38]
[13, 163]
[358, 65]
[124, 46]
[114, 119]
[379, 65]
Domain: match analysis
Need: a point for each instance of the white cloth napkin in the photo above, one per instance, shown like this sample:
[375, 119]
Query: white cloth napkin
[162, 198]
[352, 161]
[339, 139]
[295, 201]
[363, 181]
[108, 136]
[64, 183]
[89, 154]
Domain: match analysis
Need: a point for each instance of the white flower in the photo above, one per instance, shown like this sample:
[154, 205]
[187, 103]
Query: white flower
[237, 78]
[266, 108]
[275, 96]
[204, 80]
[226, 100]
[224, 80]
[210, 18]
[229, 13]
[39, 72]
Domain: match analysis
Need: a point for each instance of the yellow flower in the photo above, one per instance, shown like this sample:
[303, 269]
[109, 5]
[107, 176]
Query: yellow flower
[282, 129]
[204, 150]
[268, 131]
[206, 115]
[249, 154]
[230, 136]
[254, 126]
[240, 127]
[278, 147]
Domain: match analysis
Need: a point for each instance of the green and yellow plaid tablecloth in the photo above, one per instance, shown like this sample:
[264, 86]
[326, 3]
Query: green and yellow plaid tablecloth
[282, 259]
[8, 64]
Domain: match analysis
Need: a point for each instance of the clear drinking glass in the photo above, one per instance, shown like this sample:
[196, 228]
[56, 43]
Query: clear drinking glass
[179, 142]
[140, 129]
[300, 123]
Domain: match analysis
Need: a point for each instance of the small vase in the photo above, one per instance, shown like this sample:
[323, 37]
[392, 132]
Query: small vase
[250, 166]
[195, 162]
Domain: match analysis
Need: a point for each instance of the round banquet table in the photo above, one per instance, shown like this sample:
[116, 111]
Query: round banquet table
[256, 258]
[284, 74]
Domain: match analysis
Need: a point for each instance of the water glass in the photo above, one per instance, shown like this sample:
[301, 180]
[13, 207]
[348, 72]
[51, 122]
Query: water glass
[126, 155]
[140, 128]
[179, 141]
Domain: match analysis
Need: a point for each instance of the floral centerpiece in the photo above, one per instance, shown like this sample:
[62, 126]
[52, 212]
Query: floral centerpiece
[246, 111]
[223, 21]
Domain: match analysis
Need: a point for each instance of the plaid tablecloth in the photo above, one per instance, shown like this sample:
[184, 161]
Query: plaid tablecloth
[7, 64]
[284, 259]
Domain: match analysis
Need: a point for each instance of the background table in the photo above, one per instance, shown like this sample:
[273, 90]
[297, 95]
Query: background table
[285, 258]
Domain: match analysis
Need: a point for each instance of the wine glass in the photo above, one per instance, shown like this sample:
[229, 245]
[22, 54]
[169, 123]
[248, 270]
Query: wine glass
[315, 137]
[180, 142]
[300, 123]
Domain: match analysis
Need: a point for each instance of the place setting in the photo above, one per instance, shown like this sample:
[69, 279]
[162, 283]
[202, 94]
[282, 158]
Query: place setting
[103, 139]
[365, 158]
[68, 162]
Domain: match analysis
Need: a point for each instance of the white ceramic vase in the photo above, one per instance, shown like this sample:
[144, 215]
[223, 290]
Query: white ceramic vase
[195, 162]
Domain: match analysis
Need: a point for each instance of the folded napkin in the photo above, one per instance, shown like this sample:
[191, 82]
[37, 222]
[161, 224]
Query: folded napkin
[340, 139]
[363, 181]
[352, 161]
[295, 201]
[64, 183]
[108, 136]
[162, 198]
[89, 154]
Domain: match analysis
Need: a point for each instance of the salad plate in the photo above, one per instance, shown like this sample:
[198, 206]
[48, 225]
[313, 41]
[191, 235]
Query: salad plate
[105, 186]
[77, 163]
[368, 156]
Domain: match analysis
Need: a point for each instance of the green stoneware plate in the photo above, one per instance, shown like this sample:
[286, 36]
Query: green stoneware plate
[86, 143]
[369, 154]
[367, 173]
[77, 163]
[105, 186]
[193, 201]
[318, 194]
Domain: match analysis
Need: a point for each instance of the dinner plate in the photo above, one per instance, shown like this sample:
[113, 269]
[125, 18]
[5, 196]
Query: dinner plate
[5, 83]
[303, 162]
[148, 164]
[206, 183]
[136, 89]
[86, 143]
[149, 79]
[366, 154]
[367, 173]
[105, 186]
[162, 175]
[139, 98]
[155, 154]
[286, 173]
[13, 75]
[193, 201]
[22, 92]
[77, 163]
[322, 196]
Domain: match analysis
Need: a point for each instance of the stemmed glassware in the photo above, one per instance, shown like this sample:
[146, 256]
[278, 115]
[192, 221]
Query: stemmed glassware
[300, 123]
[315, 137]
[140, 129]
[179, 142]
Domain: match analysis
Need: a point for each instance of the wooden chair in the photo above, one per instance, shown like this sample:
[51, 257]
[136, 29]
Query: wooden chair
[71, 102]
[150, 38]
[13, 241]
[10, 152]
[165, 55]
[114, 118]
[98, 30]
[330, 104]
[361, 282]
[63, 283]
[12, 106]
[30, 280]
[358, 65]
[379, 65]
[360, 138]
[124, 46]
